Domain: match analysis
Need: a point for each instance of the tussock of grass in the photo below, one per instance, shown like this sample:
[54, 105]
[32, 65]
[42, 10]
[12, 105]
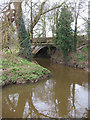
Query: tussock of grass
[18, 70]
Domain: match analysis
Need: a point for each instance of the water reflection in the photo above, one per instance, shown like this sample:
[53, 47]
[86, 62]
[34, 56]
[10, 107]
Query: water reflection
[64, 95]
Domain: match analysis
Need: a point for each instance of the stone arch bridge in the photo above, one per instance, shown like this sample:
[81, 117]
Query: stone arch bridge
[43, 48]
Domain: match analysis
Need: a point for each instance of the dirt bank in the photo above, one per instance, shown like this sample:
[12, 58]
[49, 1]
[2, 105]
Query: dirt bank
[77, 59]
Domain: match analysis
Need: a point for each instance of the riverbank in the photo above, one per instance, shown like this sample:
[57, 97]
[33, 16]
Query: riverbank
[77, 59]
[16, 70]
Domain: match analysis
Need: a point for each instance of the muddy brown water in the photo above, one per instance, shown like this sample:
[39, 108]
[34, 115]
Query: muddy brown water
[64, 95]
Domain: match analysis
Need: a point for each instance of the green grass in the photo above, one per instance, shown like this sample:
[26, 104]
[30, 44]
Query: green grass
[18, 69]
[81, 57]
[85, 50]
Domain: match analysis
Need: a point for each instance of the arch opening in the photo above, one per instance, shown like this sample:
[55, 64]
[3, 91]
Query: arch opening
[45, 52]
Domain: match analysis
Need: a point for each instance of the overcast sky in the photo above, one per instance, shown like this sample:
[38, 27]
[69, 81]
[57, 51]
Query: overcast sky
[80, 21]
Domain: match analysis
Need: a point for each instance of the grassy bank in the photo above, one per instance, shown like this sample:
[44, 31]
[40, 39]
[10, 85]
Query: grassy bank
[17, 70]
[77, 59]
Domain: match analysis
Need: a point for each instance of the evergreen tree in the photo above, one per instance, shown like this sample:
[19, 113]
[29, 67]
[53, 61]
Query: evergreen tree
[64, 38]
[24, 39]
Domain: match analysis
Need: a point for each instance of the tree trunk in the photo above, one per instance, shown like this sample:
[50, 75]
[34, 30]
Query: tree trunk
[24, 39]
[44, 29]
[31, 26]
[75, 35]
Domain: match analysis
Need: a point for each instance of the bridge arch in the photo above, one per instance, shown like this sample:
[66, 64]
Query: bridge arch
[43, 51]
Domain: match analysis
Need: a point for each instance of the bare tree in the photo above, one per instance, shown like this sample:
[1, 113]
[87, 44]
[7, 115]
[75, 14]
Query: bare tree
[17, 16]
[78, 6]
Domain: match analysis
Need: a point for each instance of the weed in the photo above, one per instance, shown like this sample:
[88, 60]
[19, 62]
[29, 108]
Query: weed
[33, 76]
[3, 77]
[33, 71]
[17, 68]
[81, 57]
[1, 66]
[85, 50]
[19, 74]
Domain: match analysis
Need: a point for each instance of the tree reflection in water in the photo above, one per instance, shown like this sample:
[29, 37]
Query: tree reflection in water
[41, 101]
[64, 95]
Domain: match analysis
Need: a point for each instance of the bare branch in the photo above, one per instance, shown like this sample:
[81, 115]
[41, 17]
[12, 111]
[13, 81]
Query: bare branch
[53, 8]
[36, 19]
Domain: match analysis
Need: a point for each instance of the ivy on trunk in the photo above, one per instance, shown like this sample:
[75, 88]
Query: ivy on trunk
[24, 38]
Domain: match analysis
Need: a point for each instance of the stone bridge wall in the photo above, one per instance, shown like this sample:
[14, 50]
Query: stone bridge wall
[47, 40]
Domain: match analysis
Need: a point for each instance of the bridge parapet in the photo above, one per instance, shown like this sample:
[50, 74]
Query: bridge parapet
[43, 40]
